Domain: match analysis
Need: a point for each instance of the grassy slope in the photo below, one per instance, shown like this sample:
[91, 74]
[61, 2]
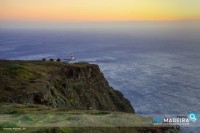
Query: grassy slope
[17, 76]
[32, 115]
[40, 118]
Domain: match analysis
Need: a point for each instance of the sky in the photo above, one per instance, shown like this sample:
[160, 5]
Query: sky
[98, 10]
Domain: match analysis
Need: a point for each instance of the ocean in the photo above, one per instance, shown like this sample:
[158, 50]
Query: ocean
[156, 65]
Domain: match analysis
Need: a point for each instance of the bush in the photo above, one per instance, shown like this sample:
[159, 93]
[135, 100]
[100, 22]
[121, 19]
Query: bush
[43, 59]
[51, 59]
[58, 60]
[8, 88]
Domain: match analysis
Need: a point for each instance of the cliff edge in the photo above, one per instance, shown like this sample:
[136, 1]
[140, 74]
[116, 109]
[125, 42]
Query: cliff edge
[78, 86]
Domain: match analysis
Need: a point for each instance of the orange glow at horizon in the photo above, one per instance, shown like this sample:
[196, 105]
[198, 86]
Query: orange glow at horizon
[96, 10]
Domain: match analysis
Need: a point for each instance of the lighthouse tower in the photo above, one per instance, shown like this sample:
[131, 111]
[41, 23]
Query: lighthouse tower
[72, 57]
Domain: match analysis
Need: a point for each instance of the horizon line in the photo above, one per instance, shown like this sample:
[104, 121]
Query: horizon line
[96, 21]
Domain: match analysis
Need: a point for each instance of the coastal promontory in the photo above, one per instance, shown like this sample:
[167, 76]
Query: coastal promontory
[79, 86]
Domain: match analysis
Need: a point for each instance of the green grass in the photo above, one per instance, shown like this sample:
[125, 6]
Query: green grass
[100, 113]
[26, 118]
[8, 125]
[72, 101]
[15, 70]
[15, 112]
[18, 76]
[48, 120]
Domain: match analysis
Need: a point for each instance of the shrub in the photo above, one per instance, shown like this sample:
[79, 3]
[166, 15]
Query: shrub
[58, 60]
[8, 88]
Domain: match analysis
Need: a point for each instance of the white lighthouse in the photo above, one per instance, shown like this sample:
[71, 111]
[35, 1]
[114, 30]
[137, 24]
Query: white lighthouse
[72, 59]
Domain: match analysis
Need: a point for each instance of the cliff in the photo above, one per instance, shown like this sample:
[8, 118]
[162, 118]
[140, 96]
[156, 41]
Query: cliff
[71, 86]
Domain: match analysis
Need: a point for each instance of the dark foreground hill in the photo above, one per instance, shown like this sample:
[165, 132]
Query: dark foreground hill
[64, 98]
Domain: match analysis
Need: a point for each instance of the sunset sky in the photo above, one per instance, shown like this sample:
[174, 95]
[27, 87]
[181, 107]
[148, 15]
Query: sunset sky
[98, 10]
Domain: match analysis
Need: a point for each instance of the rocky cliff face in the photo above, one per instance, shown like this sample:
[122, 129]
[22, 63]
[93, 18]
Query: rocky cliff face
[60, 85]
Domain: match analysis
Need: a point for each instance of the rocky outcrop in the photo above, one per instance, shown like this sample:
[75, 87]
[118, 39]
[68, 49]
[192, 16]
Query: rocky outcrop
[60, 85]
